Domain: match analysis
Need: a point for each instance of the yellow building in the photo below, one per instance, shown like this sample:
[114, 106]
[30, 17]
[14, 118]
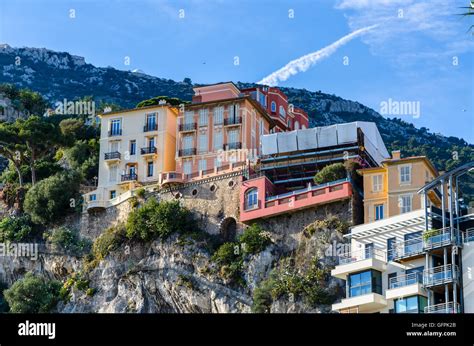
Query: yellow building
[391, 189]
[136, 146]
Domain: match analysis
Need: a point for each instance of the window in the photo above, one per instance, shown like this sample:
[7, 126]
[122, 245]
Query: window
[188, 117]
[251, 199]
[288, 123]
[113, 173]
[233, 136]
[151, 122]
[392, 283]
[132, 170]
[369, 250]
[377, 183]
[366, 282]
[273, 107]
[282, 112]
[217, 162]
[414, 275]
[391, 248]
[405, 204]
[413, 243]
[262, 99]
[218, 140]
[405, 174]
[202, 165]
[187, 167]
[113, 194]
[149, 169]
[414, 304]
[133, 147]
[378, 212]
[187, 142]
[92, 197]
[218, 115]
[116, 127]
[203, 116]
[203, 143]
[151, 142]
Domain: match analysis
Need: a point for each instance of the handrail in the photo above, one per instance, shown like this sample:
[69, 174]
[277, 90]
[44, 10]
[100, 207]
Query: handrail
[312, 188]
[405, 280]
[443, 308]
[469, 235]
[440, 275]
[362, 254]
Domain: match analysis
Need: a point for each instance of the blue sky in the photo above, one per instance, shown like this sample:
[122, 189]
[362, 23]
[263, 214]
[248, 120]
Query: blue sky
[421, 51]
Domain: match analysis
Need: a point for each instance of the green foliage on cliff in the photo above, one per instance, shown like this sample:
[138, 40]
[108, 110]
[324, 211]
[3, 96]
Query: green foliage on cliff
[33, 294]
[15, 228]
[65, 239]
[108, 241]
[254, 240]
[157, 220]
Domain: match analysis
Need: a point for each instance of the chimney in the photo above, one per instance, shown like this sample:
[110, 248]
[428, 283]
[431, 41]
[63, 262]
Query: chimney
[396, 155]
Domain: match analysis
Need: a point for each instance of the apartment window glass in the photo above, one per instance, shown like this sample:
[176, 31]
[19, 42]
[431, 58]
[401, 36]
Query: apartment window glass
[282, 112]
[413, 304]
[187, 142]
[151, 142]
[218, 115]
[92, 197]
[273, 106]
[251, 199]
[149, 169]
[203, 143]
[132, 170]
[405, 174]
[203, 117]
[113, 170]
[414, 275]
[377, 183]
[262, 99]
[115, 127]
[218, 140]
[369, 281]
[133, 147]
[369, 250]
[151, 121]
[405, 204]
[233, 136]
[392, 283]
[188, 117]
[379, 212]
[217, 162]
[202, 165]
[187, 167]
[113, 194]
[391, 248]
[413, 243]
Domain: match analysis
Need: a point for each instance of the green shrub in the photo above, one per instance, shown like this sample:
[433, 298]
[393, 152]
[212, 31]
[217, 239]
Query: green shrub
[108, 241]
[330, 173]
[50, 199]
[68, 240]
[33, 294]
[262, 297]
[226, 254]
[140, 193]
[153, 220]
[254, 240]
[15, 228]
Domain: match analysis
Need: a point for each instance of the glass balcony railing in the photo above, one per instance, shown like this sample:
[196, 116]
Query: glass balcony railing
[405, 280]
[443, 308]
[437, 238]
[440, 275]
[360, 255]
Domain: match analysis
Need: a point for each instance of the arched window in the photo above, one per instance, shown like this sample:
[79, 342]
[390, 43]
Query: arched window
[251, 199]
[297, 125]
[282, 112]
[274, 106]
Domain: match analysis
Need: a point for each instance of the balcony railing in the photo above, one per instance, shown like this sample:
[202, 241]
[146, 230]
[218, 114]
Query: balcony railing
[113, 155]
[129, 177]
[232, 146]
[437, 238]
[188, 127]
[363, 254]
[232, 121]
[407, 248]
[443, 308]
[115, 132]
[440, 275]
[469, 235]
[187, 152]
[405, 280]
[150, 127]
[148, 150]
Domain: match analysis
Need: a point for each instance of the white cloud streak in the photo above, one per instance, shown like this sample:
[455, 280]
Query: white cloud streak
[303, 63]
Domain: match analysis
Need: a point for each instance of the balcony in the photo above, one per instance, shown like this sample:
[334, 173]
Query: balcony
[187, 127]
[440, 275]
[434, 239]
[232, 146]
[112, 156]
[150, 127]
[115, 132]
[371, 302]
[360, 260]
[469, 235]
[148, 151]
[128, 177]
[443, 308]
[187, 152]
[406, 249]
[232, 121]
[405, 285]
[171, 177]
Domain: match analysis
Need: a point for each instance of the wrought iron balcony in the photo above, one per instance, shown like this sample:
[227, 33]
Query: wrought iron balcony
[129, 177]
[115, 132]
[233, 121]
[232, 146]
[113, 155]
[187, 152]
[150, 127]
[187, 127]
[148, 150]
